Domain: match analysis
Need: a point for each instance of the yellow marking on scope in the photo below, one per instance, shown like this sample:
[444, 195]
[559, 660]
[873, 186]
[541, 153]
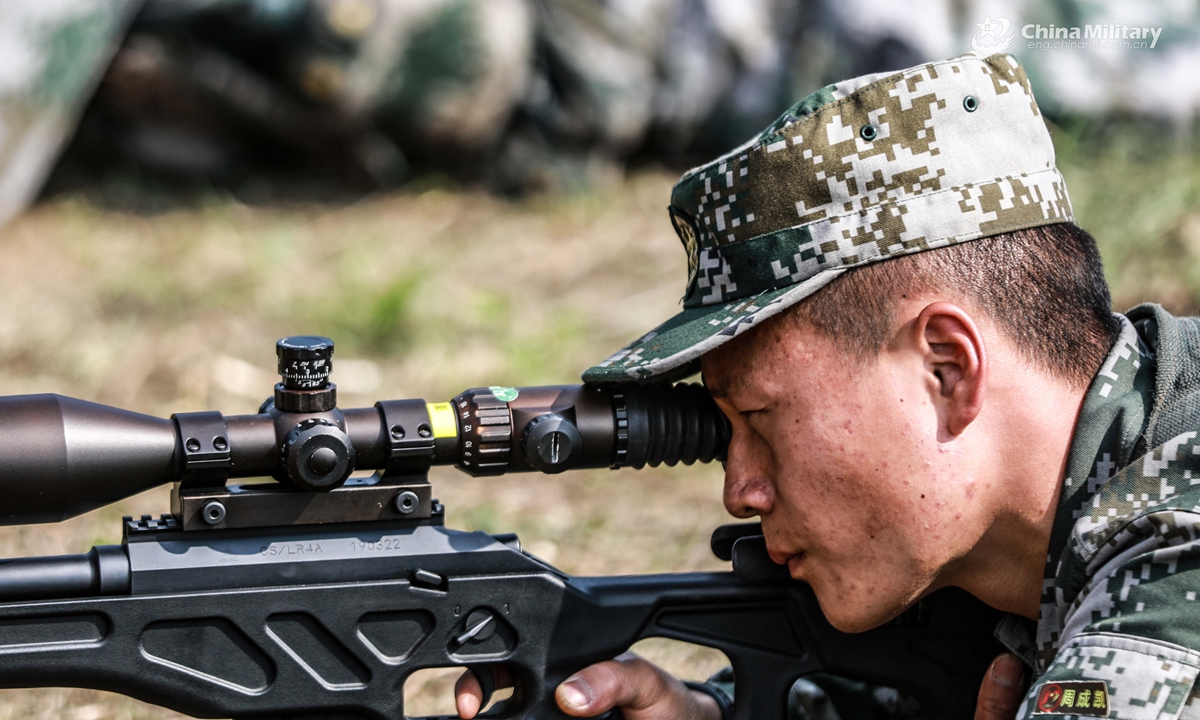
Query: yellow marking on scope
[441, 416]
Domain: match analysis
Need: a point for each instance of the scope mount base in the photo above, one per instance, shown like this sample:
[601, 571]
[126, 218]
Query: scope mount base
[273, 504]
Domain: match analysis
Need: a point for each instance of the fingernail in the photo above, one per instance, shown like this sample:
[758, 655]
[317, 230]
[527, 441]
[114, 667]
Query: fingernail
[576, 692]
[1007, 671]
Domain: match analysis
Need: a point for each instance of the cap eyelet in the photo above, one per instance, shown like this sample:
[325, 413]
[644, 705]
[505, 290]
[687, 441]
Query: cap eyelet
[970, 104]
[868, 132]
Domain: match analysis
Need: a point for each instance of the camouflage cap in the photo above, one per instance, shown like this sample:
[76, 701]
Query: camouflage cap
[861, 171]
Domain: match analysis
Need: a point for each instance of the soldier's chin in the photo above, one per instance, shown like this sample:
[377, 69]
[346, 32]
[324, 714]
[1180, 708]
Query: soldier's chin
[848, 623]
[858, 615]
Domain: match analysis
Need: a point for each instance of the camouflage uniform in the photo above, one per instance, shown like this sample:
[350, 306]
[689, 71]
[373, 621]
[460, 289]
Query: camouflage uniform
[1119, 633]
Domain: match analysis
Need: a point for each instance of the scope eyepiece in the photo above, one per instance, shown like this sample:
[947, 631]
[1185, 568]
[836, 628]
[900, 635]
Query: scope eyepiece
[671, 424]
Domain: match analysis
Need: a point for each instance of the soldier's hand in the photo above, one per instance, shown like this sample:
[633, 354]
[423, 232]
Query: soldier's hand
[641, 689]
[1002, 690]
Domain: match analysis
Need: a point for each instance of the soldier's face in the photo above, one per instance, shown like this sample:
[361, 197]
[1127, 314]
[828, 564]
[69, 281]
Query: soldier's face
[860, 492]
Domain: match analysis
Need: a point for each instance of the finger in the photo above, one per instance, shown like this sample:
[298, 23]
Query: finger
[468, 695]
[1002, 690]
[486, 675]
[471, 695]
[627, 682]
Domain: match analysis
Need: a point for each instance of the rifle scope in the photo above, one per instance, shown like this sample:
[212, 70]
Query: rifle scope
[60, 457]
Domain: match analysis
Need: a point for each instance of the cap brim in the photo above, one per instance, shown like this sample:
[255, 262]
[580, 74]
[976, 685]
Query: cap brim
[672, 349]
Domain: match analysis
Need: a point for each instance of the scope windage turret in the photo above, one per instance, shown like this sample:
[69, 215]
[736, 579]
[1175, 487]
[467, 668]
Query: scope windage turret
[60, 457]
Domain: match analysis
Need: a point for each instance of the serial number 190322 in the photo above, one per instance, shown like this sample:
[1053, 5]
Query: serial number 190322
[382, 544]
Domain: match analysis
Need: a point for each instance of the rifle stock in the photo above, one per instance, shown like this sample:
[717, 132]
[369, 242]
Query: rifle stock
[301, 624]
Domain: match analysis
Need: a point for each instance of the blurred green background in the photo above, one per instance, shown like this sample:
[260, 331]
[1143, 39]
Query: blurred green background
[432, 290]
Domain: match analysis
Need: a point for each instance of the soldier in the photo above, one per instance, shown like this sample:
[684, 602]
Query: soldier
[927, 387]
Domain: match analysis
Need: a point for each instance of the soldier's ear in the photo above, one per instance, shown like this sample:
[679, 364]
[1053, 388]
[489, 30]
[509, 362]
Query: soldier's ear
[956, 364]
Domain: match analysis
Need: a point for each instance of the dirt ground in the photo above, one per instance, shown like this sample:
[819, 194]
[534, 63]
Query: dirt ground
[427, 293]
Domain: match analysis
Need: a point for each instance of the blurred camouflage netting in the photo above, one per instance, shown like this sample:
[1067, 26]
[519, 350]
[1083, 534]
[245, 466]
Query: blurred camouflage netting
[520, 94]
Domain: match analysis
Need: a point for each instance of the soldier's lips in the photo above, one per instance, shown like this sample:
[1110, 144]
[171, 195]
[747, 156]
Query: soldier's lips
[792, 560]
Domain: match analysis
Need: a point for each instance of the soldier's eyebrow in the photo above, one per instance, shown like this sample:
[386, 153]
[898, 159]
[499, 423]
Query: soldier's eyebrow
[719, 388]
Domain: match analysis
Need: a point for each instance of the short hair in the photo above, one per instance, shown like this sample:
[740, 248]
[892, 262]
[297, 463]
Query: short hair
[1043, 286]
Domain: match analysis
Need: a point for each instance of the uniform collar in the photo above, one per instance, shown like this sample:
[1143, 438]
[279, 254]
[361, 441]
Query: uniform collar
[1112, 420]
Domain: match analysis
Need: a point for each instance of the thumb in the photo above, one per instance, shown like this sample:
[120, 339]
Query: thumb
[1002, 690]
[629, 681]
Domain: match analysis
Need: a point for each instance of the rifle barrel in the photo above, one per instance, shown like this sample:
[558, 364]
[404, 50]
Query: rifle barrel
[102, 571]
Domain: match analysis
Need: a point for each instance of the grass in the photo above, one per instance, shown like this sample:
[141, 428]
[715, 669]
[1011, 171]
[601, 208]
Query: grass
[429, 292]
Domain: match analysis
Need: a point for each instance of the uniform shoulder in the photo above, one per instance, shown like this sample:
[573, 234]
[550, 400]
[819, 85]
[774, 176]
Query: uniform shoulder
[1164, 482]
